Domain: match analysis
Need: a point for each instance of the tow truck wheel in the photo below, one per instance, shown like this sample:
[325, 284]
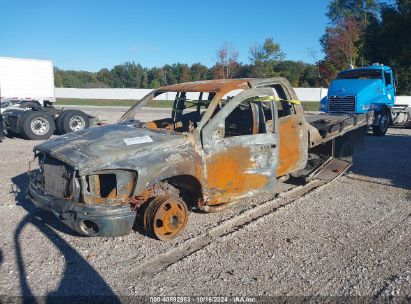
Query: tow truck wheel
[37, 125]
[382, 126]
[165, 217]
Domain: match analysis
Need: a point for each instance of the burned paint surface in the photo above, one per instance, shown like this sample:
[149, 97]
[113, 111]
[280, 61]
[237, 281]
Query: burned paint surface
[115, 188]
[290, 144]
[217, 168]
[221, 86]
[229, 173]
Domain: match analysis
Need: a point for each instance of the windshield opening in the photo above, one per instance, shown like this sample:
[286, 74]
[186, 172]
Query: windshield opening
[360, 74]
[173, 111]
[176, 111]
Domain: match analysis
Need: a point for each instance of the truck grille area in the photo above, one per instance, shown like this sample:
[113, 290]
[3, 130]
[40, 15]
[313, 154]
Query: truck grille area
[56, 177]
[342, 104]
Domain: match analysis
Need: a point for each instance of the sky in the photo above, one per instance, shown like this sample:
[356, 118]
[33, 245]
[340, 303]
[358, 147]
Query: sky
[91, 35]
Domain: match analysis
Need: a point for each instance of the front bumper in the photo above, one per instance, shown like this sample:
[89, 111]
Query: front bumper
[91, 220]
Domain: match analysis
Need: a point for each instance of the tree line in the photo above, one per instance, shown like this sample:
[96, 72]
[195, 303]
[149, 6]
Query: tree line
[359, 33]
[266, 60]
[362, 32]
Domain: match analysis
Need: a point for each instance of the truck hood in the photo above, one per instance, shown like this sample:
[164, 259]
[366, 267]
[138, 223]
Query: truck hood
[346, 87]
[100, 147]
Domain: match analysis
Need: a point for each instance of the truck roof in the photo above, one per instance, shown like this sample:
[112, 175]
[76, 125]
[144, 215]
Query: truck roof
[370, 67]
[217, 86]
[224, 86]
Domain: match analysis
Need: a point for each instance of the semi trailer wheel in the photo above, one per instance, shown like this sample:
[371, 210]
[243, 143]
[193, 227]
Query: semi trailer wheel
[382, 126]
[37, 125]
[71, 121]
[165, 217]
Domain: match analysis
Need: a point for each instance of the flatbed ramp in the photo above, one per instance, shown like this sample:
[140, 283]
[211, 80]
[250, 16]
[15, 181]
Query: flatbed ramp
[332, 169]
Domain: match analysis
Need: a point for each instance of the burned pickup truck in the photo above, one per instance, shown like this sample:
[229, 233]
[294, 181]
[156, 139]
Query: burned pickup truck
[225, 140]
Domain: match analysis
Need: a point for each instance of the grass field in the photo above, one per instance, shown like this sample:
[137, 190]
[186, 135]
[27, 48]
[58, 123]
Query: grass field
[310, 106]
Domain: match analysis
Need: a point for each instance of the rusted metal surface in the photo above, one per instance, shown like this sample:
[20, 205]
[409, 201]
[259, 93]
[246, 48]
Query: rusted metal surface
[138, 200]
[151, 125]
[165, 217]
[291, 133]
[228, 175]
[109, 187]
[221, 86]
[236, 148]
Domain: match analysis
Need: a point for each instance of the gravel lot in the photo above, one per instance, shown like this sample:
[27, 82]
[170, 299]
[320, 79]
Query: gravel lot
[351, 237]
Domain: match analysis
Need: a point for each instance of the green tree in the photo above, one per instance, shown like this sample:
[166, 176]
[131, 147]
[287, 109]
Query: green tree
[128, 75]
[388, 41]
[198, 72]
[339, 10]
[132, 75]
[310, 76]
[343, 40]
[340, 45]
[58, 78]
[156, 78]
[264, 57]
[170, 74]
[244, 71]
[105, 76]
[292, 70]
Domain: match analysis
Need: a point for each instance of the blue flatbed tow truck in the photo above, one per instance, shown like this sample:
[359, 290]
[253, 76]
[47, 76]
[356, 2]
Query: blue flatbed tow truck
[364, 89]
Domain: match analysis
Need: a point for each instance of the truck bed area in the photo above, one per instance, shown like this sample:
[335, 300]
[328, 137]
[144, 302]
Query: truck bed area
[331, 125]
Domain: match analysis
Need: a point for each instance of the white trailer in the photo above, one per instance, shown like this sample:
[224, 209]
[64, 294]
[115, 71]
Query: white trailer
[27, 80]
[27, 95]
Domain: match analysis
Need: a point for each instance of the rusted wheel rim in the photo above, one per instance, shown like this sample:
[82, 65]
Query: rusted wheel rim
[170, 218]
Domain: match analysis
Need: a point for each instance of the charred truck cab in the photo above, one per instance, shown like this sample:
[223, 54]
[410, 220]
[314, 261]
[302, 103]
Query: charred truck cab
[224, 140]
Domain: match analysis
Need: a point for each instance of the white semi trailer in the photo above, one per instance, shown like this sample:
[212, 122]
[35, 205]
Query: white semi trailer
[27, 97]
[27, 80]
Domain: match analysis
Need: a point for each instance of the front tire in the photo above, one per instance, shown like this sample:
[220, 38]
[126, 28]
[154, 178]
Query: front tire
[382, 127]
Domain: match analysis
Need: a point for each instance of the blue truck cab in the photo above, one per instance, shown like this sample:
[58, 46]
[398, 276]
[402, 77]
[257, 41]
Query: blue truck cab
[362, 90]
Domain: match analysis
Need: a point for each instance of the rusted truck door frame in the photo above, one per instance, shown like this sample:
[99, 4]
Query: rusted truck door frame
[293, 139]
[243, 165]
